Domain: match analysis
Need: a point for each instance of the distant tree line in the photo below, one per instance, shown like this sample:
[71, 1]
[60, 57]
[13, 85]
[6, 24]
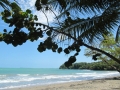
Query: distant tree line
[101, 65]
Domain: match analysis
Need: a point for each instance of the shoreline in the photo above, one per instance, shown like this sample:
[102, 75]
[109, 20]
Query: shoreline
[110, 83]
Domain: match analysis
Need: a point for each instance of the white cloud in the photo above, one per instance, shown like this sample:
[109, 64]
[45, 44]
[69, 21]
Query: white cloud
[27, 4]
[30, 4]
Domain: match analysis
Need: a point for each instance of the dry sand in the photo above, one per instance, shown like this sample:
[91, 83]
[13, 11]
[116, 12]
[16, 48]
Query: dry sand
[101, 84]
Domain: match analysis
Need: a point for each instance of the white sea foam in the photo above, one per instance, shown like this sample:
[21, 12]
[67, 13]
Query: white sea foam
[18, 80]
[27, 78]
[23, 74]
[8, 81]
[59, 76]
[10, 87]
[2, 75]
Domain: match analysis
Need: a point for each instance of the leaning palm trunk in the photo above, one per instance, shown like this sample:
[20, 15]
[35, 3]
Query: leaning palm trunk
[110, 65]
[88, 46]
[105, 19]
[103, 52]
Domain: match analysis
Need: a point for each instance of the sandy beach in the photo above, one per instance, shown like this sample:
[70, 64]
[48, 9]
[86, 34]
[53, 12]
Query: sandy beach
[99, 84]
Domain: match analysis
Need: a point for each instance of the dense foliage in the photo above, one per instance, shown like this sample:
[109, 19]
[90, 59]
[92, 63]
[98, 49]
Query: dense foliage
[109, 45]
[102, 17]
[92, 66]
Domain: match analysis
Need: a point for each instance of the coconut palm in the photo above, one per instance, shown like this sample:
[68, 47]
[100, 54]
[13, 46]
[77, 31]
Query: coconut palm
[102, 17]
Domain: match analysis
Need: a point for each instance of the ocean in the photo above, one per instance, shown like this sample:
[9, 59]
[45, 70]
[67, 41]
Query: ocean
[24, 77]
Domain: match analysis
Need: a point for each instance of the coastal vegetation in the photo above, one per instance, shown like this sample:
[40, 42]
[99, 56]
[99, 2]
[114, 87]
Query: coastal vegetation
[101, 65]
[102, 17]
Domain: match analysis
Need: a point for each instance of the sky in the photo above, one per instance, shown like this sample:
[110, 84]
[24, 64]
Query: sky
[26, 55]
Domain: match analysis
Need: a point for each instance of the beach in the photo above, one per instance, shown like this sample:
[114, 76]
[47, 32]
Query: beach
[98, 84]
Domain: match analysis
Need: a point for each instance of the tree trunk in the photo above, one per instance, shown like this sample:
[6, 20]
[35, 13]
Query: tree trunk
[107, 54]
[111, 65]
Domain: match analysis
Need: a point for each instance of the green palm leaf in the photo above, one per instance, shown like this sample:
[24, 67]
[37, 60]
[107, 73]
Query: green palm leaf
[117, 34]
[4, 4]
[92, 28]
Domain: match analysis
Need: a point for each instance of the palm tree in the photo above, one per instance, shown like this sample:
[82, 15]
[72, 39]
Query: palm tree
[103, 17]
[5, 4]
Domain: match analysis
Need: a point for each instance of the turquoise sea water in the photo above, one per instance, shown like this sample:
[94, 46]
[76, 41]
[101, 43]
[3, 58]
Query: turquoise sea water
[23, 77]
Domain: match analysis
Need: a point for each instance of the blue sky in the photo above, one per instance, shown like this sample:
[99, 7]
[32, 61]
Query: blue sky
[27, 56]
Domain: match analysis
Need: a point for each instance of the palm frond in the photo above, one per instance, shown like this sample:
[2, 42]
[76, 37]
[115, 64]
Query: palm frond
[93, 28]
[117, 34]
[83, 6]
[5, 4]
[106, 23]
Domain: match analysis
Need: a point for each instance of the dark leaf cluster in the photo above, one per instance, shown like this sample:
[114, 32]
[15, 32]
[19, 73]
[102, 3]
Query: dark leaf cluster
[41, 4]
[95, 56]
[48, 44]
[20, 20]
